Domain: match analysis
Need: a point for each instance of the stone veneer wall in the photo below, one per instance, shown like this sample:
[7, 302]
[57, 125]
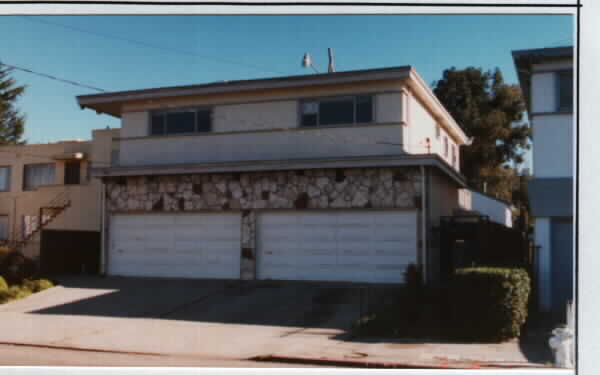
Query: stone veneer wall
[356, 188]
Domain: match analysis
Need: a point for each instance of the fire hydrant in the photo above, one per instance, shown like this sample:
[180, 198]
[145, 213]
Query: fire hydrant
[562, 345]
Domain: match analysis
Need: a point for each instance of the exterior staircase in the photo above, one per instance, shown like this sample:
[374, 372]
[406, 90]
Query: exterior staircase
[47, 214]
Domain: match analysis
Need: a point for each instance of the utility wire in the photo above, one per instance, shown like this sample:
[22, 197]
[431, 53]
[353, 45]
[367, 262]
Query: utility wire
[51, 77]
[149, 45]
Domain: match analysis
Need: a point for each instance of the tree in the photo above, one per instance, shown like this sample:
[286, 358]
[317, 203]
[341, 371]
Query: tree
[12, 124]
[489, 111]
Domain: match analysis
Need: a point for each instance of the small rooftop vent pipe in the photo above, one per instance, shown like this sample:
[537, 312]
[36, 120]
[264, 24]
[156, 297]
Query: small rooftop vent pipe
[331, 66]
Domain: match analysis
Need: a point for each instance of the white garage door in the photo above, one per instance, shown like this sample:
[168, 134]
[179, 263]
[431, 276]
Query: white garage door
[367, 246]
[176, 245]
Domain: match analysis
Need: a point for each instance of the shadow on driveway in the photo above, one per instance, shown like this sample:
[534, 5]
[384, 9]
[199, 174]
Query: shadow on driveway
[300, 304]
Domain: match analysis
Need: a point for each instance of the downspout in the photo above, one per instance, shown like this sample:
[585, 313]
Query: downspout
[102, 228]
[423, 224]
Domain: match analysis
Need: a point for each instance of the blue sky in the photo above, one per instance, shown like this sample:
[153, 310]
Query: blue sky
[135, 52]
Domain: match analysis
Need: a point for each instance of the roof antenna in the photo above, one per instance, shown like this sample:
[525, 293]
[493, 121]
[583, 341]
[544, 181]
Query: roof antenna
[307, 62]
[331, 66]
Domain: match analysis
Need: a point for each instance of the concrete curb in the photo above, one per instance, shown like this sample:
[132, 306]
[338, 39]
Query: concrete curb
[62, 347]
[324, 361]
[361, 364]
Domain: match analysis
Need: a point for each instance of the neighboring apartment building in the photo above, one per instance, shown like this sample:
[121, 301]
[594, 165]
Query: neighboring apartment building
[51, 183]
[338, 176]
[546, 78]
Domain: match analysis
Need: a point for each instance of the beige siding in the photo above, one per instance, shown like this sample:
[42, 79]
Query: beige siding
[422, 126]
[134, 124]
[271, 95]
[388, 108]
[444, 197]
[294, 144]
[255, 116]
[104, 146]
[84, 212]
[263, 110]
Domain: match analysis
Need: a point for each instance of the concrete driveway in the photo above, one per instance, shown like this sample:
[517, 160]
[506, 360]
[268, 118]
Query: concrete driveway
[207, 320]
[220, 319]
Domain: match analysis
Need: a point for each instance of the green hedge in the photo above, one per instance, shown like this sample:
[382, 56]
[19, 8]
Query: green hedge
[37, 285]
[489, 303]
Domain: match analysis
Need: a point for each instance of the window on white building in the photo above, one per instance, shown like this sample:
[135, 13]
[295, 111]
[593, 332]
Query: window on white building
[181, 121]
[345, 110]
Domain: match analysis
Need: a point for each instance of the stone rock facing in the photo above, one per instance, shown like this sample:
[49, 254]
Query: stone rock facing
[348, 188]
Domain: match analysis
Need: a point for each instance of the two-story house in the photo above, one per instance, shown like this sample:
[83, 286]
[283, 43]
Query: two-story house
[49, 204]
[337, 176]
[546, 79]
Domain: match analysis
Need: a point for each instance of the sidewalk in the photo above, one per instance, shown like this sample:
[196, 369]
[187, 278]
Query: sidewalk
[317, 346]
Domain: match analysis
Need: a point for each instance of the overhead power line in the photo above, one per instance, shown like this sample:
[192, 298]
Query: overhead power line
[154, 46]
[51, 77]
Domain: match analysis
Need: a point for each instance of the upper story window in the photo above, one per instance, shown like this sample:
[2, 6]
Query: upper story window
[36, 175]
[438, 131]
[181, 121]
[4, 179]
[337, 111]
[565, 91]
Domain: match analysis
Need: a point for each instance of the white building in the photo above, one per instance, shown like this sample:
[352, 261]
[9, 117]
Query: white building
[334, 177]
[546, 78]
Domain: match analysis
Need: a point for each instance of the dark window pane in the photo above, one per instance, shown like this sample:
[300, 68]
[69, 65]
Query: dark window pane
[158, 124]
[4, 178]
[336, 112]
[180, 122]
[73, 172]
[309, 120]
[38, 175]
[364, 109]
[204, 120]
[565, 84]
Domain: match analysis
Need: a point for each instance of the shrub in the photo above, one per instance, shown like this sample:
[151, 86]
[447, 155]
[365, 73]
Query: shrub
[37, 285]
[17, 292]
[489, 304]
[16, 267]
[3, 284]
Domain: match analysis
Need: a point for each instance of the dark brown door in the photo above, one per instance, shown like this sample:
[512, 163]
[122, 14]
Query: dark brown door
[73, 172]
[70, 252]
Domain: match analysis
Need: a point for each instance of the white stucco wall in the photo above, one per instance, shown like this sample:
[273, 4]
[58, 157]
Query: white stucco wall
[553, 145]
[422, 125]
[309, 143]
[543, 87]
[498, 212]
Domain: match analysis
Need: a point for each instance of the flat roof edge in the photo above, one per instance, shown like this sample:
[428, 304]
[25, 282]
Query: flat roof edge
[280, 165]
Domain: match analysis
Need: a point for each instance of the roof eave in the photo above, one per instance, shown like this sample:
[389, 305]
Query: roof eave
[102, 102]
